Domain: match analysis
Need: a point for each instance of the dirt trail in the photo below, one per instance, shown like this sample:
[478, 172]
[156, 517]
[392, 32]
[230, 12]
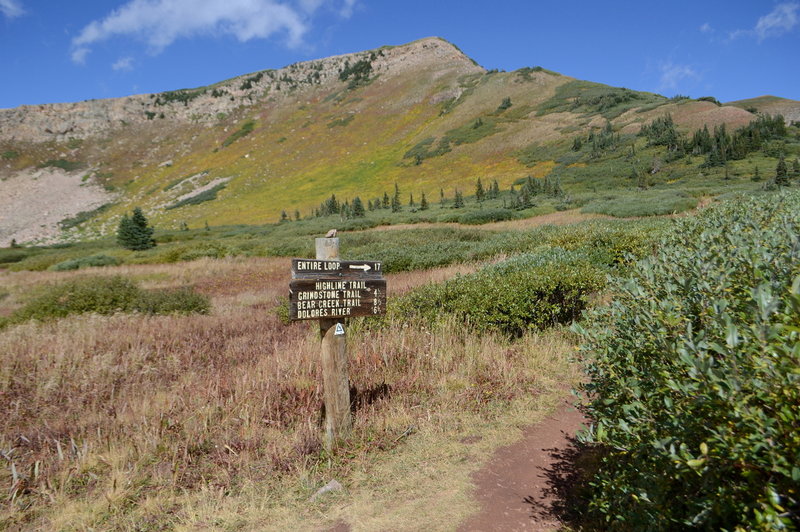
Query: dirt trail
[516, 487]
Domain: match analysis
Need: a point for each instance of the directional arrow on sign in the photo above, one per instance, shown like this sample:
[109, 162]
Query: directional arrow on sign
[364, 267]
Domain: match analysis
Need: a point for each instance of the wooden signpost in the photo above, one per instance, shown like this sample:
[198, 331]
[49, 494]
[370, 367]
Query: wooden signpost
[330, 290]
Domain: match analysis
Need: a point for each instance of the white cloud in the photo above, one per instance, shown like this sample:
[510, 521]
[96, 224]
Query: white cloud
[706, 28]
[347, 9]
[11, 8]
[159, 23]
[783, 19]
[123, 63]
[672, 74]
[780, 20]
[79, 55]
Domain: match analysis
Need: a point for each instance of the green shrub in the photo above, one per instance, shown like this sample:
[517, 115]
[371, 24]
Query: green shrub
[85, 262]
[195, 251]
[341, 122]
[83, 216]
[591, 98]
[41, 261]
[9, 255]
[530, 291]
[106, 295]
[485, 216]
[183, 95]
[609, 243]
[68, 166]
[202, 197]
[180, 301]
[643, 203]
[694, 388]
[243, 131]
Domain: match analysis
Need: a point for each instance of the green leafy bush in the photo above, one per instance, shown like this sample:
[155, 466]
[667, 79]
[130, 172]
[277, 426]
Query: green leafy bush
[243, 131]
[642, 203]
[530, 291]
[179, 301]
[591, 98]
[202, 197]
[41, 260]
[83, 216]
[195, 251]
[9, 255]
[107, 295]
[85, 262]
[485, 216]
[695, 387]
[341, 122]
[64, 164]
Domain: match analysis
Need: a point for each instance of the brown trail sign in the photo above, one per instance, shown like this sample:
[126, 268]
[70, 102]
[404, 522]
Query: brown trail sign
[331, 290]
[336, 289]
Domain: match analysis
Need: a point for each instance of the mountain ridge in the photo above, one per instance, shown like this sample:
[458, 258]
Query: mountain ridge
[61, 121]
[421, 116]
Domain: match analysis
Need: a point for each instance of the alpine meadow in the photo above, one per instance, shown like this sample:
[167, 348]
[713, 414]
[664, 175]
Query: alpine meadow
[547, 244]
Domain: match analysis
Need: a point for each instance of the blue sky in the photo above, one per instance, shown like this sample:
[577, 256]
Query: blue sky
[72, 51]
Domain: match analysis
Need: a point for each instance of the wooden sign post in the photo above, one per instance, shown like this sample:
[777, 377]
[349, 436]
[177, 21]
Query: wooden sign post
[331, 290]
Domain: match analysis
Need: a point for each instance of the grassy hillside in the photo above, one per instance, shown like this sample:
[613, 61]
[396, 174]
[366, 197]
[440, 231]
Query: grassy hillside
[421, 116]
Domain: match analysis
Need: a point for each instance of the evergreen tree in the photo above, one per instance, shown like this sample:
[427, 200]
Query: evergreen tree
[396, 199]
[411, 201]
[480, 193]
[441, 198]
[458, 202]
[297, 215]
[756, 175]
[495, 190]
[330, 206]
[358, 208]
[207, 227]
[284, 216]
[505, 104]
[134, 233]
[525, 198]
[781, 173]
[423, 203]
[385, 200]
[796, 168]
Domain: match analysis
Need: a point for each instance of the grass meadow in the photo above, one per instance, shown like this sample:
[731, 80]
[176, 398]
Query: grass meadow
[140, 422]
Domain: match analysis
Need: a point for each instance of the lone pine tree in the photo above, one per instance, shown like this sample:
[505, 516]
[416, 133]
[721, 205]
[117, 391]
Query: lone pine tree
[134, 232]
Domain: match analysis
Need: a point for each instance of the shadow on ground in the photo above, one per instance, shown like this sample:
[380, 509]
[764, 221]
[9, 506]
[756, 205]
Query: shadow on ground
[566, 496]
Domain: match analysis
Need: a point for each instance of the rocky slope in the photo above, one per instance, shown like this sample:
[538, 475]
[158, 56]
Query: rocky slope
[93, 118]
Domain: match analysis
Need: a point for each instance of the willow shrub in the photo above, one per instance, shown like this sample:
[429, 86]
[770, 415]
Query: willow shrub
[694, 369]
[529, 291]
[107, 295]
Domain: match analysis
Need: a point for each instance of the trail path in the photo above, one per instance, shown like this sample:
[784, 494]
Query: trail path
[518, 487]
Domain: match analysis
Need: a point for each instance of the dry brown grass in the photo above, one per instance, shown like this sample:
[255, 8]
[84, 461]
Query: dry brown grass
[147, 422]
